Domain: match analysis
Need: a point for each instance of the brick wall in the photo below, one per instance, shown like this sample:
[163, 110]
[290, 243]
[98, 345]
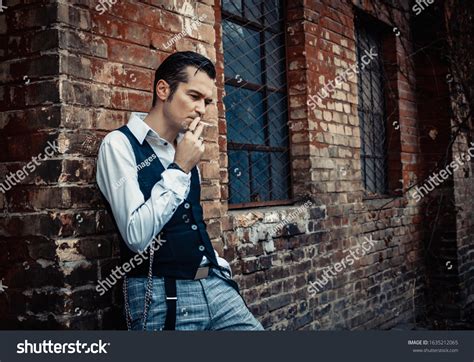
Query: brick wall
[379, 290]
[30, 117]
[447, 212]
[463, 194]
[439, 219]
[463, 178]
[89, 70]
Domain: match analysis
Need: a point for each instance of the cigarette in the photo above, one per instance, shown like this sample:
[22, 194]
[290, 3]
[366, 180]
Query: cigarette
[204, 123]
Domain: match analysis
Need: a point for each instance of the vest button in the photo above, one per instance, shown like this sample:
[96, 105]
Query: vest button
[194, 227]
[186, 206]
[201, 248]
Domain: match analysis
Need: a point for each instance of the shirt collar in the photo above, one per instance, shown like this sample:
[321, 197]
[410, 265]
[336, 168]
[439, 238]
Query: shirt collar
[141, 130]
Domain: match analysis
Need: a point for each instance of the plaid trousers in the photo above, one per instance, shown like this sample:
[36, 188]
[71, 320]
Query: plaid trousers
[203, 304]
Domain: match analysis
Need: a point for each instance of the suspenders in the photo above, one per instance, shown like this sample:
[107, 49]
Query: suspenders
[171, 298]
[170, 291]
[148, 293]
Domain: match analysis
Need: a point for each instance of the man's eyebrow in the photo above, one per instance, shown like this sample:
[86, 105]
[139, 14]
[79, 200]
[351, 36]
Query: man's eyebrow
[209, 99]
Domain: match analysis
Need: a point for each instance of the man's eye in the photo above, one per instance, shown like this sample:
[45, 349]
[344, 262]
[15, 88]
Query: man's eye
[195, 97]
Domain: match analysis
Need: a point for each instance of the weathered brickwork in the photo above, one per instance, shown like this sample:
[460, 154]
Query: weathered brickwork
[85, 71]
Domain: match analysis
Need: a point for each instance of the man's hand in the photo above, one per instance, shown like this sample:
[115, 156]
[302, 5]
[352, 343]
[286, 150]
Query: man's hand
[191, 148]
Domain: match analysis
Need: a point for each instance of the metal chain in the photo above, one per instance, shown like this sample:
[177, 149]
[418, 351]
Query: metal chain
[148, 292]
[149, 287]
[128, 316]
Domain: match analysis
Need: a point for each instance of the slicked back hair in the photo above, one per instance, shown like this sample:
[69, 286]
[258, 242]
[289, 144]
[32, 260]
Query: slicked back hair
[173, 70]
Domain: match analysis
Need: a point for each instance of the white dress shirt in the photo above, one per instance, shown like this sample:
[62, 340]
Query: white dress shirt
[139, 221]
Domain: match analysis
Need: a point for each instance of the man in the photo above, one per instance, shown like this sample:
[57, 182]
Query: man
[147, 172]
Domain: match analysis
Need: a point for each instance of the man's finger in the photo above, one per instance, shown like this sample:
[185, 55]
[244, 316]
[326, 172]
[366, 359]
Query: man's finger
[194, 123]
[198, 131]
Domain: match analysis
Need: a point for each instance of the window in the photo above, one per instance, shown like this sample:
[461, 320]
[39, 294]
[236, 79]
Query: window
[371, 109]
[256, 102]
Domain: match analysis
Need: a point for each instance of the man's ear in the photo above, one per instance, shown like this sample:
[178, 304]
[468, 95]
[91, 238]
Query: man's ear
[162, 90]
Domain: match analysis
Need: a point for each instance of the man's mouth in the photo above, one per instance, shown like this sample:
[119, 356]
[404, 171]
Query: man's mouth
[187, 124]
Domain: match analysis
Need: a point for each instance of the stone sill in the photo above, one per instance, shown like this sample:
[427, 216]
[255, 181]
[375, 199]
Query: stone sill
[299, 212]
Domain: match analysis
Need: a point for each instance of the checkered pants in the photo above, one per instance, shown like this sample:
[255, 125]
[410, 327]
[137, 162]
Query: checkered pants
[204, 304]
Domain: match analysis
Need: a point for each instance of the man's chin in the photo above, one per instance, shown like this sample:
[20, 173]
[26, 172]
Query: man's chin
[185, 126]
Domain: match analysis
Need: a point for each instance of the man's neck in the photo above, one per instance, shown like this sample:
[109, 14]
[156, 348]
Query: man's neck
[157, 122]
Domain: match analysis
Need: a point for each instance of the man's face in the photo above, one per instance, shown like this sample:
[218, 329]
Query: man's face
[190, 99]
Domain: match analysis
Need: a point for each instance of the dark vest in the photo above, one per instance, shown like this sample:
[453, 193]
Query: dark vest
[185, 233]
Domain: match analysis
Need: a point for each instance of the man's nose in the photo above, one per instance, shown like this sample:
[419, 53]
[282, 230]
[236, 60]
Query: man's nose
[201, 108]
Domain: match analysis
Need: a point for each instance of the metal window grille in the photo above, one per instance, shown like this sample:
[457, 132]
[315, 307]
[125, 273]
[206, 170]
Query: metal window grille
[256, 102]
[371, 110]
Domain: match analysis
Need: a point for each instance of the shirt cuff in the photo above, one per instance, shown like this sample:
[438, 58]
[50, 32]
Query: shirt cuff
[176, 181]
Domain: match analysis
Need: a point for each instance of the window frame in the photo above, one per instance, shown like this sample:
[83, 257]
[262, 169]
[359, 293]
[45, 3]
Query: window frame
[381, 30]
[265, 89]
